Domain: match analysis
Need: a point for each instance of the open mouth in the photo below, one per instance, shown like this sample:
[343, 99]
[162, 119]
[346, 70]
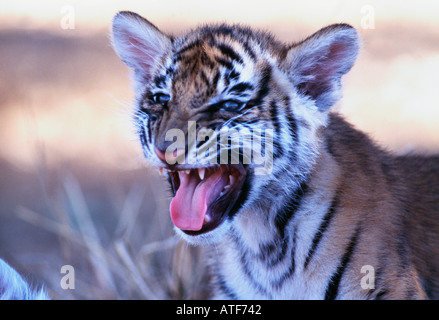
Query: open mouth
[203, 197]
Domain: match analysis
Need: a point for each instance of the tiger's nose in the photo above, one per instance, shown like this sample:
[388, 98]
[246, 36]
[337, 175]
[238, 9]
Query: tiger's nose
[170, 157]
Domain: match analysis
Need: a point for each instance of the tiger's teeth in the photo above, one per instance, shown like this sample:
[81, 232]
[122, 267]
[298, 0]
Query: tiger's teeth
[232, 179]
[207, 218]
[187, 171]
[201, 172]
[227, 187]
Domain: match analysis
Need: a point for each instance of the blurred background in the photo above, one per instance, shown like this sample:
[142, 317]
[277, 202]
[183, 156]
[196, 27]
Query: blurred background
[74, 189]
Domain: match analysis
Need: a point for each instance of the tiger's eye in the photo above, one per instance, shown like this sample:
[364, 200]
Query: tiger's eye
[161, 98]
[231, 105]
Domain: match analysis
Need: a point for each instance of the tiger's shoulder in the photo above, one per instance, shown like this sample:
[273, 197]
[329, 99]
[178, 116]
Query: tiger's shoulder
[394, 198]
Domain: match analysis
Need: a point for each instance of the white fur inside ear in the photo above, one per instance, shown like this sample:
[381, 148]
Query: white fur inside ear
[317, 64]
[138, 42]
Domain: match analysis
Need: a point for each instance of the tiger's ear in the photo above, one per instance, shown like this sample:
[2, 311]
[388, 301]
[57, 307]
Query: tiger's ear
[138, 42]
[318, 63]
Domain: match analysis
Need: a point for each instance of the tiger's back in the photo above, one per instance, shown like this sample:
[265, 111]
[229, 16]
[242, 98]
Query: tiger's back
[329, 215]
[398, 199]
[421, 180]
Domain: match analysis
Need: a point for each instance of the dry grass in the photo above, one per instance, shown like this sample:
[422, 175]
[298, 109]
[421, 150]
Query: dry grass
[117, 260]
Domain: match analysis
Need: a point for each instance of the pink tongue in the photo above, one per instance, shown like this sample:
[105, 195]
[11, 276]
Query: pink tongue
[189, 206]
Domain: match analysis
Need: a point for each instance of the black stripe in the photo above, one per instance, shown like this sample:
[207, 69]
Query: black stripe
[224, 62]
[245, 260]
[263, 88]
[142, 134]
[222, 284]
[267, 249]
[230, 53]
[241, 87]
[289, 273]
[381, 295]
[229, 76]
[224, 29]
[274, 114]
[284, 215]
[334, 281]
[147, 128]
[322, 229]
[245, 190]
[258, 286]
[233, 75]
[173, 187]
[278, 148]
[206, 61]
[216, 79]
[248, 49]
[274, 252]
[180, 53]
[205, 79]
[169, 71]
[292, 124]
[149, 133]
[160, 81]
[139, 118]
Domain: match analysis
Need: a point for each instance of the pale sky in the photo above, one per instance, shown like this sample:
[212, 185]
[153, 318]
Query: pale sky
[49, 13]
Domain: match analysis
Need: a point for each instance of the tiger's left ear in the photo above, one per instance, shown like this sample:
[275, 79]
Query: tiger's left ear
[317, 64]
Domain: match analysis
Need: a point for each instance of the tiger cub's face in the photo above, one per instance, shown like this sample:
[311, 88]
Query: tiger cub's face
[226, 111]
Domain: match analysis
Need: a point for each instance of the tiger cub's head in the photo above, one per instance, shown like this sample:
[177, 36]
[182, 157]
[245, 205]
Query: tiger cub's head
[230, 114]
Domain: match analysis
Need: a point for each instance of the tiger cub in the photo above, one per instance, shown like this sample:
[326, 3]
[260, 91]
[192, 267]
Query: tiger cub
[294, 201]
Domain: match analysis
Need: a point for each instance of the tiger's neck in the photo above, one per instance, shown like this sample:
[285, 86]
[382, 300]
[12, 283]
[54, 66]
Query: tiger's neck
[271, 222]
[274, 242]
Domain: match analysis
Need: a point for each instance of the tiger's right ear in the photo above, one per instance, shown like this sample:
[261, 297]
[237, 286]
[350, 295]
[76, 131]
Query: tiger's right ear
[138, 42]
